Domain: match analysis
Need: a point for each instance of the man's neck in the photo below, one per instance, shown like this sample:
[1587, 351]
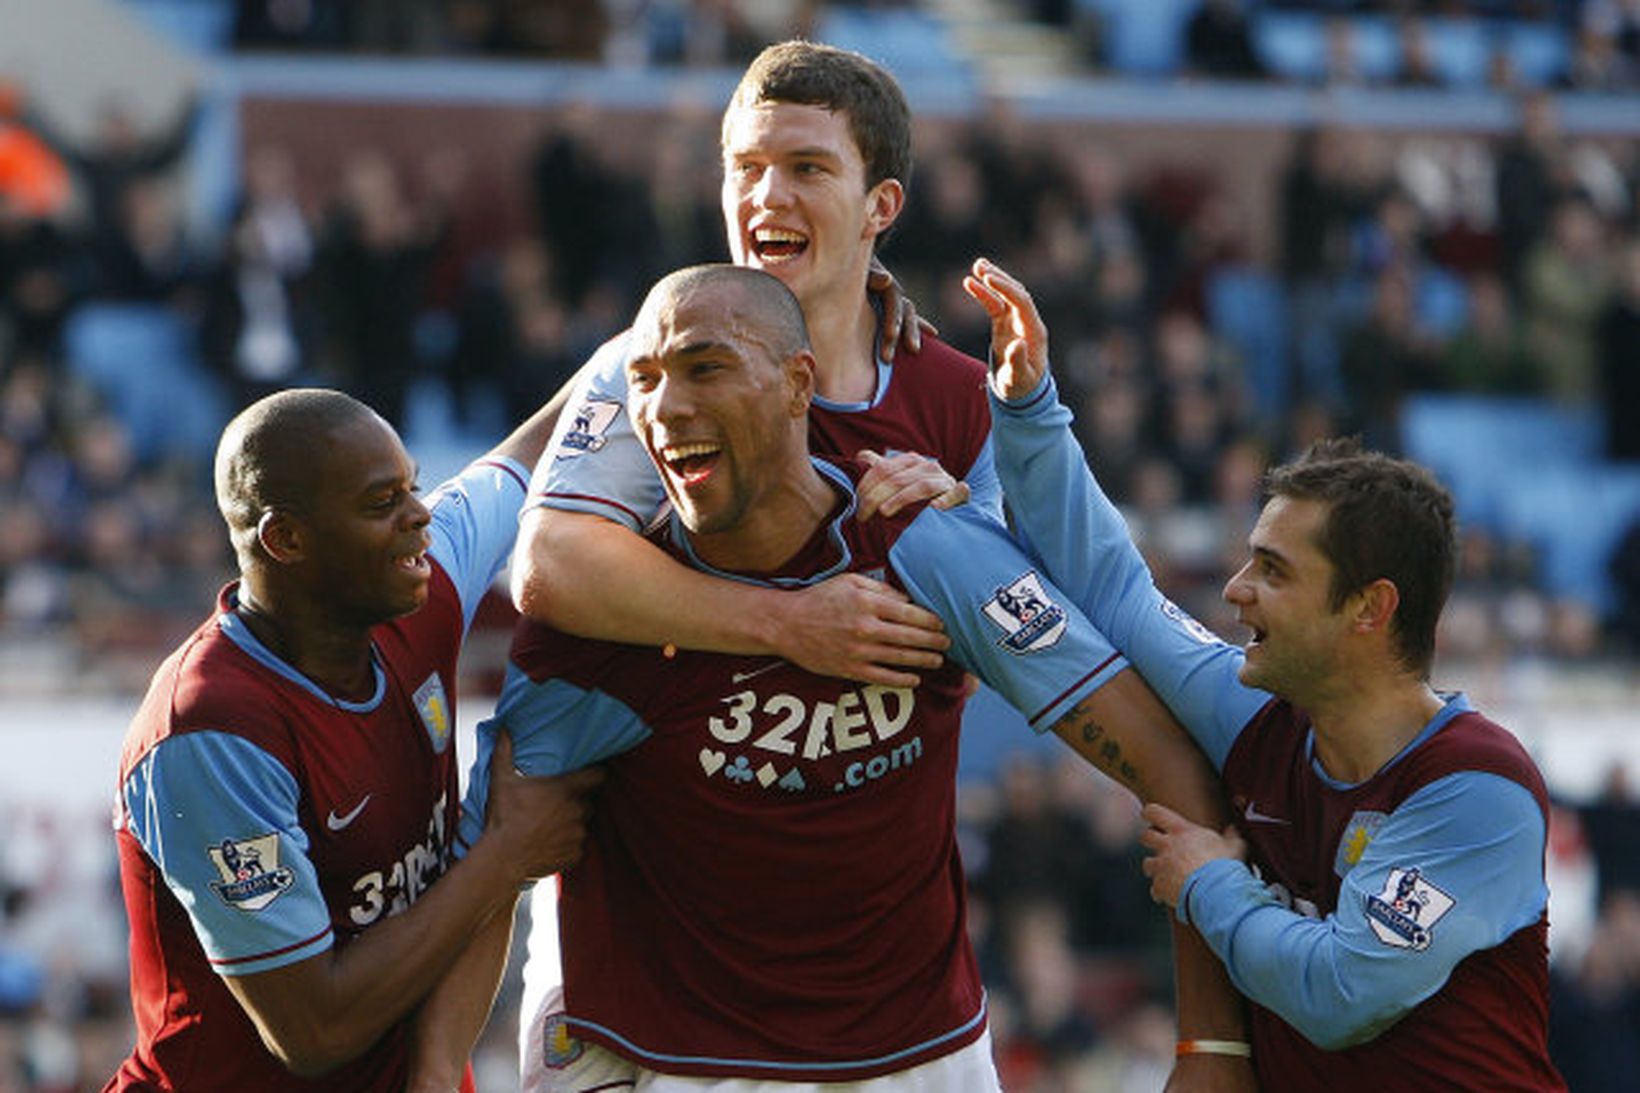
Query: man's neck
[843, 332]
[1360, 728]
[337, 659]
[776, 527]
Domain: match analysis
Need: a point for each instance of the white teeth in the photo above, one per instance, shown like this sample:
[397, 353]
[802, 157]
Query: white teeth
[778, 235]
[673, 452]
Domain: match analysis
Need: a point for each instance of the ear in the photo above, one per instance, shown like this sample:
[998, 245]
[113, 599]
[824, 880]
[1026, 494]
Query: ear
[1374, 606]
[883, 205]
[280, 536]
[800, 381]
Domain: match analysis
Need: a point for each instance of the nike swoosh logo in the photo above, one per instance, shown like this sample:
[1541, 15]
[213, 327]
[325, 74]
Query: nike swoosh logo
[336, 823]
[1254, 816]
[742, 677]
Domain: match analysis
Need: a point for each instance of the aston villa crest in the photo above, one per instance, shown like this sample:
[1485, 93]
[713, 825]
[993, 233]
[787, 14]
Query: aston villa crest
[435, 712]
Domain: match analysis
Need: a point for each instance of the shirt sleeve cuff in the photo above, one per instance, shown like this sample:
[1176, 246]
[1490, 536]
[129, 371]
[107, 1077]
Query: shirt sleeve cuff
[1044, 394]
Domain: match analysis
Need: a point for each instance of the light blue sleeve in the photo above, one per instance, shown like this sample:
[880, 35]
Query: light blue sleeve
[217, 816]
[1465, 857]
[1084, 544]
[475, 521]
[595, 462]
[555, 727]
[984, 487]
[1007, 624]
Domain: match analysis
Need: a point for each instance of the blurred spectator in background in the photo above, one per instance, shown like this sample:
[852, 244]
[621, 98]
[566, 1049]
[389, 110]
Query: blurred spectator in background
[257, 326]
[1617, 335]
[121, 153]
[37, 283]
[1417, 66]
[1597, 1006]
[374, 252]
[1385, 357]
[513, 334]
[146, 255]
[1489, 353]
[1219, 42]
[1625, 574]
[276, 24]
[34, 181]
[572, 198]
[1565, 282]
[1527, 181]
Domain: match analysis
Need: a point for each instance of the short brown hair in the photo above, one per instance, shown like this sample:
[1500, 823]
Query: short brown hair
[1386, 518]
[841, 81]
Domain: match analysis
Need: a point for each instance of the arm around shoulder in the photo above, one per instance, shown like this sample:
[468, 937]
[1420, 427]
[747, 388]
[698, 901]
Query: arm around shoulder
[592, 577]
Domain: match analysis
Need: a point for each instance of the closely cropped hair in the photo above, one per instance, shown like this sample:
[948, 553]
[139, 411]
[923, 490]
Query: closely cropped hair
[270, 453]
[779, 315]
[1387, 518]
[841, 81]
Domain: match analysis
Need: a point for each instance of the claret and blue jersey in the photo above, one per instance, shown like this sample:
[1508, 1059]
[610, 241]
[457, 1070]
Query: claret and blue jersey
[772, 886]
[261, 821]
[1391, 933]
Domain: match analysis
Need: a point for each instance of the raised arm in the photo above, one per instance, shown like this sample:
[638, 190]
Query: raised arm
[1082, 538]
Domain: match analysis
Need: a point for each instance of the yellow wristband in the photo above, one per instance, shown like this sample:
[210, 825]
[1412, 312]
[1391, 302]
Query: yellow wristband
[1241, 1049]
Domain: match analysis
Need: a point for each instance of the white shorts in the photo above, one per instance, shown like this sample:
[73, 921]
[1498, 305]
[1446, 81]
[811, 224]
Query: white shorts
[554, 1062]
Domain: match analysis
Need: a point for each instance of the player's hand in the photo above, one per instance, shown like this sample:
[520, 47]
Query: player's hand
[904, 478]
[1178, 848]
[853, 627]
[1019, 338]
[1212, 1074]
[543, 820]
[902, 326]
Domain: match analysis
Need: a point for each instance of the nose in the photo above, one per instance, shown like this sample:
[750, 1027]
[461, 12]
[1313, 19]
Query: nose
[1238, 590]
[418, 513]
[770, 189]
[667, 402]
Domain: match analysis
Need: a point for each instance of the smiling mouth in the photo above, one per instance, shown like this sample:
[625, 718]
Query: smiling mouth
[415, 564]
[773, 246]
[691, 463]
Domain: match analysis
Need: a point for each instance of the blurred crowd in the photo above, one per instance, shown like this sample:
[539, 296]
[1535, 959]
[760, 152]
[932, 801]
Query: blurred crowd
[1505, 266]
[1502, 265]
[1592, 45]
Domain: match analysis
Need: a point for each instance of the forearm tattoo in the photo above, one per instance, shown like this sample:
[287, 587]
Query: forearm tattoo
[1102, 749]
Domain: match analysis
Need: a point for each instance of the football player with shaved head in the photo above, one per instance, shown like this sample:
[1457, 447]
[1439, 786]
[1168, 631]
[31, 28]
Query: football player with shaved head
[288, 789]
[772, 892]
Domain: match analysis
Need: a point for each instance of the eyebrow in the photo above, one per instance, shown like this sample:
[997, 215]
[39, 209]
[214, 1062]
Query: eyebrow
[390, 481]
[1271, 555]
[808, 151]
[693, 349]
